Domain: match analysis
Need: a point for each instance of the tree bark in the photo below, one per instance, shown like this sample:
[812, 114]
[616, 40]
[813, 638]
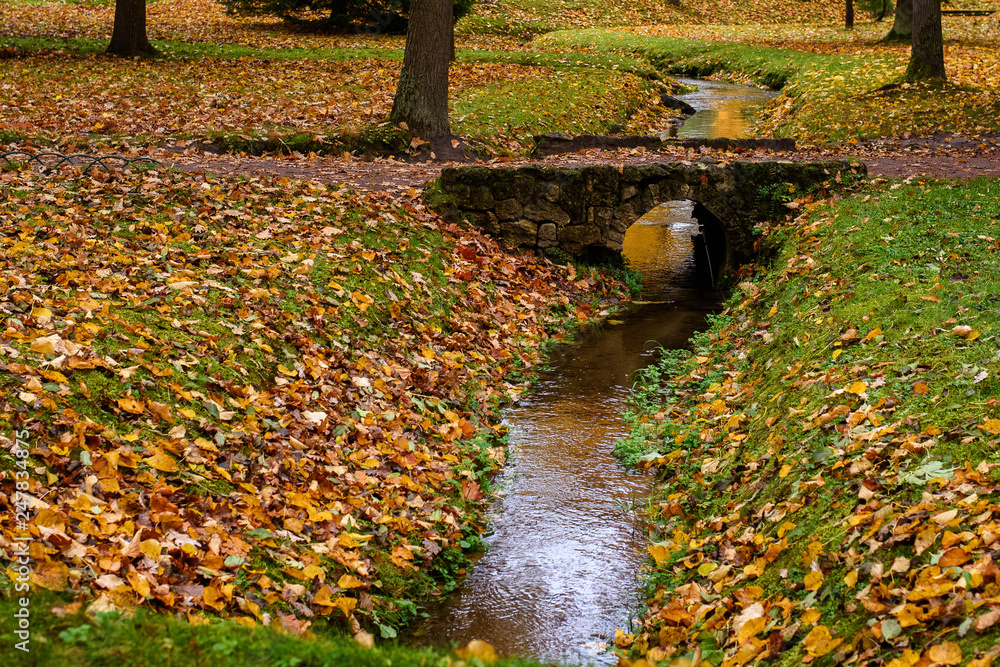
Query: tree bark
[902, 23]
[128, 38]
[422, 93]
[927, 50]
[849, 15]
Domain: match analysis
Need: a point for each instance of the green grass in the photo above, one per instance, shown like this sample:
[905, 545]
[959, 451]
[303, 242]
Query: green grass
[145, 639]
[506, 114]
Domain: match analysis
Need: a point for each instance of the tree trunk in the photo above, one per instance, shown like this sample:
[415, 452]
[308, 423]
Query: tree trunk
[902, 24]
[422, 93]
[849, 15]
[927, 51]
[128, 38]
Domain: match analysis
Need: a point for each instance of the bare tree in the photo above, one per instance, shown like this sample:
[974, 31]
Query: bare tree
[849, 15]
[128, 38]
[927, 51]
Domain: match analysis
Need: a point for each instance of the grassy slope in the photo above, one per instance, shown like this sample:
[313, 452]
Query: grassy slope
[828, 452]
[256, 399]
[829, 95]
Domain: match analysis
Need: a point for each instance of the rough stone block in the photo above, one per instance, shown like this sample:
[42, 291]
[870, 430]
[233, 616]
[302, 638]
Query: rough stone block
[521, 233]
[479, 198]
[516, 186]
[548, 191]
[546, 211]
[629, 191]
[485, 221]
[577, 237]
[509, 209]
[624, 216]
[547, 235]
[601, 216]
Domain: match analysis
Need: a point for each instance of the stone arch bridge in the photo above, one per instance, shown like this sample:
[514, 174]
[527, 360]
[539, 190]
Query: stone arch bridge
[585, 210]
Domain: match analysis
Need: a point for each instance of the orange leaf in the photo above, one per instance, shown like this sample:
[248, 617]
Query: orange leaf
[161, 461]
[920, 388]
[349, 581]
[129, 404]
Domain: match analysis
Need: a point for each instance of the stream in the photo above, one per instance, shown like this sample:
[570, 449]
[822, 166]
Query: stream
[561, 572]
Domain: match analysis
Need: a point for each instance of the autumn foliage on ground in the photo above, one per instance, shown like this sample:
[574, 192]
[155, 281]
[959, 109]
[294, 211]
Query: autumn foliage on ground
[828, 451]
[257, 399]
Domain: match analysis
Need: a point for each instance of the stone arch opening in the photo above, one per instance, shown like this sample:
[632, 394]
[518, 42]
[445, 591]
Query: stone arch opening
[681, 238]
[586, 210]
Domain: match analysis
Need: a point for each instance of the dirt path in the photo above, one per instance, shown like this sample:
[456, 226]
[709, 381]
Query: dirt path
[941, 156]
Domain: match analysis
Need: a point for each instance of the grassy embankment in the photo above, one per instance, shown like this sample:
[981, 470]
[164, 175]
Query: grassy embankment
[259, 400]
[831, 90]
[828, 453]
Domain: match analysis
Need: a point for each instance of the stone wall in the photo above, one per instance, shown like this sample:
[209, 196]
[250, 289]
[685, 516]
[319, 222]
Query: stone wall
[586, 210]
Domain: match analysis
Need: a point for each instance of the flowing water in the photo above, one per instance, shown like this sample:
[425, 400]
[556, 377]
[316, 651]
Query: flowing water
[561, 570]
[722, 109]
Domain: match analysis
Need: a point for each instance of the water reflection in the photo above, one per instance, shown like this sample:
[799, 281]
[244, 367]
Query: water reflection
[723, 109]
[560, 574]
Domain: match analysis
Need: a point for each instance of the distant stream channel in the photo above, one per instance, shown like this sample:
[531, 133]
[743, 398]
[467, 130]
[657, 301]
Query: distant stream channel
[561, 572]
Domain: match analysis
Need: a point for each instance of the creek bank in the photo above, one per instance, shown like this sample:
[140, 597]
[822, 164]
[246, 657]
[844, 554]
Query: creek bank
[829, 479]
[278, 396]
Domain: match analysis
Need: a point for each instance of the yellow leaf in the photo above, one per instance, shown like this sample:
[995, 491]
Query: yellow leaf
[659, 553]
[188, 412]
[161, 461]
[52, 575]
[948, 653]
[751, 628]
[129, 404]
[819, 641]
[477, 648]
[45, 345]
[323, 598]
[43, 315]
[150, 548]
[784, 528]
[785, 469]
[138, 584]
[991, 426]
[814, 580]
[857, 388]
[851, 579]
[352, 540]
[349, 581]
[345, 605]
[811, 616]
